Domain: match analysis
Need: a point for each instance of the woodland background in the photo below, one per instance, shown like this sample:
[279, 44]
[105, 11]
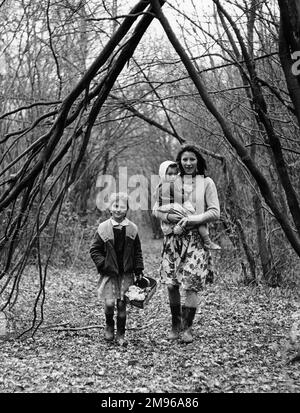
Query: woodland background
[89, 87]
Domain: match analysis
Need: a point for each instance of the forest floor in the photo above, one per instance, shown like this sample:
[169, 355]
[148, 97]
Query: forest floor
[241, 341]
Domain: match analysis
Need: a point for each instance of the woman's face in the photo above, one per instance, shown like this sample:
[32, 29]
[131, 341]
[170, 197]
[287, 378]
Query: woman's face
[189, 162]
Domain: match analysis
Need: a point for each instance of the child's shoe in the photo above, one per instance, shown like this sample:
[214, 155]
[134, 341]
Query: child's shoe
[109, 324]
[109, 333]
[121, 328]
[173, 334]
[211, 245]
[187, 336]
[120, 340]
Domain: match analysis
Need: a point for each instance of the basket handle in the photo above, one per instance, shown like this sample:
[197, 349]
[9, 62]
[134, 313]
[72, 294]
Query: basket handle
[146, 279]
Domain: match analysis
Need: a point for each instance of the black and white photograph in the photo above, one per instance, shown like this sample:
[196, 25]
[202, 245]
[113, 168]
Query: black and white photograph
[149, 200]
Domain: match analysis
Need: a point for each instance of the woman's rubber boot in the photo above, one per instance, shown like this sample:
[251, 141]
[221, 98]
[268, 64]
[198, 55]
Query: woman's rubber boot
[188, 315]
[121, 327]
[110, 326]
[176, 322]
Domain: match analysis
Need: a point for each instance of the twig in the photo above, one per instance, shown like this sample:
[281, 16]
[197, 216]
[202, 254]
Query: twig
[75, 328]
[53, 326]
[56, 327]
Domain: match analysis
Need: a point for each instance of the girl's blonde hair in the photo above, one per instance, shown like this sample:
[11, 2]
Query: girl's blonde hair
[118, 196]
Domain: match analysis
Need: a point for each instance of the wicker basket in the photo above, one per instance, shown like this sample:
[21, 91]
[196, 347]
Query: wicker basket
[148, 286]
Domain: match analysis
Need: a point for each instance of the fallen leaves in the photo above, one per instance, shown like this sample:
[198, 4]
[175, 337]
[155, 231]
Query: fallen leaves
[241, 342]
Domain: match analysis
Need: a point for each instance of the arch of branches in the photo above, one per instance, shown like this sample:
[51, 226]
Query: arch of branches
[26, 181]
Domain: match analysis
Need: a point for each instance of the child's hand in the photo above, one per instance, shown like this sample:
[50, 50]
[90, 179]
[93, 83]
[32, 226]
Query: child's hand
[139, 276]
[183, 222]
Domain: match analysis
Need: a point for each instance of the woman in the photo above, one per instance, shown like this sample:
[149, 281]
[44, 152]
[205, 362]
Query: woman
[186, 264]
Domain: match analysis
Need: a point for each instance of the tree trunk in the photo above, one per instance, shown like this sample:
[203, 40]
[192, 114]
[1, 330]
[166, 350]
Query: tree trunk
[286, 61]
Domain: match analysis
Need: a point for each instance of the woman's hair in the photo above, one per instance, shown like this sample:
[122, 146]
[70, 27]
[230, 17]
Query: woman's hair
[201, 163]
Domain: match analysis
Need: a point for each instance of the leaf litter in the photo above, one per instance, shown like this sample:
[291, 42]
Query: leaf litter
[241, 341]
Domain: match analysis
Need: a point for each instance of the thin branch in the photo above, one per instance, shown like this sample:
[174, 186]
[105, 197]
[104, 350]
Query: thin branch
[52, 49]
[32, 105]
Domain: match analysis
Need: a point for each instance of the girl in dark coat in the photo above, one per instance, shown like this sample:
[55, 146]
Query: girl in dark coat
[117, 254]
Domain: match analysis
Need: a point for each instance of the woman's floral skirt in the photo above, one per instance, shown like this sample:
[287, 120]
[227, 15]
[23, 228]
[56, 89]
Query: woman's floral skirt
[186, 262]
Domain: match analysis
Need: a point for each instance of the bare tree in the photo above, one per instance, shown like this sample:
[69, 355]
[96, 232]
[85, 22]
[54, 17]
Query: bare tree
[50, 140]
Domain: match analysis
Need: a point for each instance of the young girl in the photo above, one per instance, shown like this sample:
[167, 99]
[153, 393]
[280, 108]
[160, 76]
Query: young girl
[117, 254]
[171, 200]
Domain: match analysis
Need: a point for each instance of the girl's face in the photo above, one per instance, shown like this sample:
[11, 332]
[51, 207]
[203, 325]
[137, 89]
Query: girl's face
[189, 162]
[118, 210]
[171, 173]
